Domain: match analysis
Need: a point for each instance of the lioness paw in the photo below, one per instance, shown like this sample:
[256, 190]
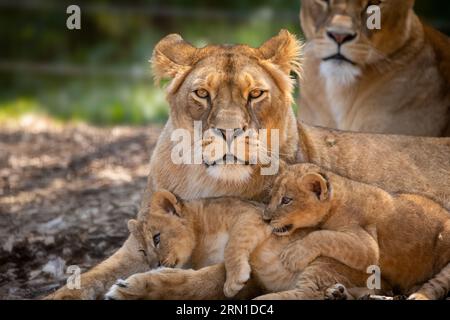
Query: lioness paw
[134, 288]
[116, 292]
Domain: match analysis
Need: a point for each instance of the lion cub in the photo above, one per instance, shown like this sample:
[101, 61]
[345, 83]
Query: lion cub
[222, 239]
[202, 233]
[407, 236]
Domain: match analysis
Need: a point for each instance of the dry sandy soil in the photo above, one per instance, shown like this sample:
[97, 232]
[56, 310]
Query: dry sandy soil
[66, 193]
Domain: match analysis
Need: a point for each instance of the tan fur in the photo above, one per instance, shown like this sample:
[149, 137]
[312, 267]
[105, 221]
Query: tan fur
[403, 86]
[191, 234]
[408, 236]
[395, 163]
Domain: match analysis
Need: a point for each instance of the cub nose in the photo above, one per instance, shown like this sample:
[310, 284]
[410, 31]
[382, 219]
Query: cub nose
[267, 220]
[341, 37]
[267, 217]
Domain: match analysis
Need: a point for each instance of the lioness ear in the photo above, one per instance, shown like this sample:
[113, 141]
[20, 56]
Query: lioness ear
[172, 56]
[316, 183]
[165, 201]
[283, 50]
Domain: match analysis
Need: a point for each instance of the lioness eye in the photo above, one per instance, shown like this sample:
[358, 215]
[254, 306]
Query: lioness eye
[374, 3]
[156, 239]
[286, 200]
[202, 93]
[254, 94]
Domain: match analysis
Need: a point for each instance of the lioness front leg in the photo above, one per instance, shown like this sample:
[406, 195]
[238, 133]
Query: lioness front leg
[244, 239]
[355, 248]
[171, 284]
[94, 283]
[179, 284]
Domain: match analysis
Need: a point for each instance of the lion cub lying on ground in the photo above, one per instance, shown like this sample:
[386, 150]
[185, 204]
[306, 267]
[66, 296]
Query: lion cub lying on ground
[224, 240]
[407, 236]
[204, 232]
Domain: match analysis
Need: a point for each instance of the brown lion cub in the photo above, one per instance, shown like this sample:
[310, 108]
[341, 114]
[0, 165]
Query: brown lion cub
[200, 233]
[221, 239]
[407, 236]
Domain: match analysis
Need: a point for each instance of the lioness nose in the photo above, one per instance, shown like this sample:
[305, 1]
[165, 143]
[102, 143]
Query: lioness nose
[230, 134]
[341, 37]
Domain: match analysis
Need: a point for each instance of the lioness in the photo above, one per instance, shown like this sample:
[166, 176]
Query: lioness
[247, 86]
[392, 80]
[223, 231]
[362, 225]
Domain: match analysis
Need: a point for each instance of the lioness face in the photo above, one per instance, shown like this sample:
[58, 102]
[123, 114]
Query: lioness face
[338, 33]
[297, 202]
[233, 92]
[165, 232]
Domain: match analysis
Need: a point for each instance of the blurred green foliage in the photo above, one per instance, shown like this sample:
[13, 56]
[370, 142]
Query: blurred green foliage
[100, 73]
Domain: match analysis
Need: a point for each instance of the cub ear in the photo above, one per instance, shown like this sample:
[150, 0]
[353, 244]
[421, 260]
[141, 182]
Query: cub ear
[172, 56]
[136, 229]
[284, 50]
[316, 183]
[283, 167]
[167, 202]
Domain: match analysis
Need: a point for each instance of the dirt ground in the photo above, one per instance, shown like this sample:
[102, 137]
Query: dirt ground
[66, 193]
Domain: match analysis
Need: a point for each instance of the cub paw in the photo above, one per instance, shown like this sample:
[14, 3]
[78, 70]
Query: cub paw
[236, 281]
[418, 296]
[337, 292]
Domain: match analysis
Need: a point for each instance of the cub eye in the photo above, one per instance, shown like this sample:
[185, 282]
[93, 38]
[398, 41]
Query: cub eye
[254, 94]
[285, 201]
[156, 239]
[201, 93]
[143, 252]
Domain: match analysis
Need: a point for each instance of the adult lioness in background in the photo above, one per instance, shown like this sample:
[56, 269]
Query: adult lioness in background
[238, 87]
[393, 80]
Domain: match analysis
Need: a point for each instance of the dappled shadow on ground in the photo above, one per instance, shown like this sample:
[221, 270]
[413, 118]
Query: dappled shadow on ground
[66, 193]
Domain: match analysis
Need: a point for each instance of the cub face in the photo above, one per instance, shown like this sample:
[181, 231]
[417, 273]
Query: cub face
[165, 233]
[298, 201]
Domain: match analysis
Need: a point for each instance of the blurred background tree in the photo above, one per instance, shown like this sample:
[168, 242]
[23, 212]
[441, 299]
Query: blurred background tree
[101, 74]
